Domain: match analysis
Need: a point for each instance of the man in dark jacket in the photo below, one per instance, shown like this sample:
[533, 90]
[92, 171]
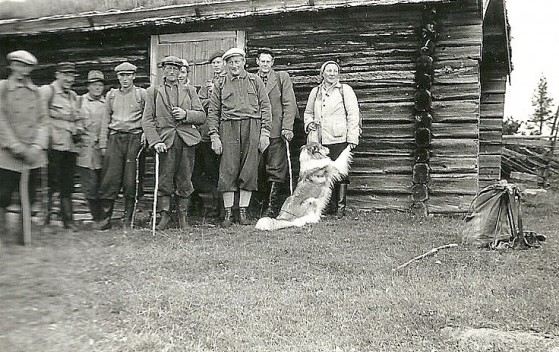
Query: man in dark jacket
[173, 110]
[284, 109]
[239, 122]
[23, 130]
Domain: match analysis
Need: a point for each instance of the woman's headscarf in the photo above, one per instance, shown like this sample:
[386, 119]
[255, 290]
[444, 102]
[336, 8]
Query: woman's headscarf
[323, 67]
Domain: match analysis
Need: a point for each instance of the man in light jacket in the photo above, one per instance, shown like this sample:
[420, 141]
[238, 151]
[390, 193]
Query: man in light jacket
[173, 110]
[23, 130]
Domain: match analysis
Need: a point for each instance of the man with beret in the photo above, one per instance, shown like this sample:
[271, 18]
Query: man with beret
[206, 169]
[239, 121]
[23, 129]
[173, 110]
[65, 136]
[284, 109]
[92, 112]
[120, 141]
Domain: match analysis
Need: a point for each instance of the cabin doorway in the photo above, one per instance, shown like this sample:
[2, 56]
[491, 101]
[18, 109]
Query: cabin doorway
[195, 48]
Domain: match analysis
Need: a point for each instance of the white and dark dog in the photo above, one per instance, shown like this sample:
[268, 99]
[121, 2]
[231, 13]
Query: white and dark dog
[316, 178]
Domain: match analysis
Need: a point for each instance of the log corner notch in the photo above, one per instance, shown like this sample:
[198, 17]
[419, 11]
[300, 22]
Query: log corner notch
[424, 74]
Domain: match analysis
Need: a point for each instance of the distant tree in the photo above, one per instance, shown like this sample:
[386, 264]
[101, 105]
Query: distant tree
[542, 102]
[511, 126]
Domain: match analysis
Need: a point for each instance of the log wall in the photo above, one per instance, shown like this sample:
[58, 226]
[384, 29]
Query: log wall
[376, 48]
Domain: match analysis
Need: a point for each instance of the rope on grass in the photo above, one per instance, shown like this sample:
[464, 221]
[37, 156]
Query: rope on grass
[426, 254]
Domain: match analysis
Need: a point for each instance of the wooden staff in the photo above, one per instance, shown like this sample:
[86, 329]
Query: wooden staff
[25, 206]
[289, 166]
[155, 192]
[137, 186]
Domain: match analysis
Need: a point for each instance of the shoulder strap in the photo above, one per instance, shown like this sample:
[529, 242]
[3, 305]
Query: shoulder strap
[110, 99]
[51, 97]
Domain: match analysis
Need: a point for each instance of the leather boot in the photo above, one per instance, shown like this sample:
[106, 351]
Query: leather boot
[214, 209]
[68, 214]
[129, 204]
[92, 204]
[332, 207]
[183, 212]
[106, 214]
[272, 208]
[243, 220]
[3, 222]
[228, 218]
[164, 203]
[342, 200]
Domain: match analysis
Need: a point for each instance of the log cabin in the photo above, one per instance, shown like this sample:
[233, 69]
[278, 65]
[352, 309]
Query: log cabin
[430, 76]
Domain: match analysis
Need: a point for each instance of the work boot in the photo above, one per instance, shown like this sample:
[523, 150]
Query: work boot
[106, 213]
[93, 205]
[3, 221]
[243, 216]
[129, 205]
[228, 218]
[332, 206]
[183, 212]
[164, 205]
[342, 198]
[68, 214]
[272, 208]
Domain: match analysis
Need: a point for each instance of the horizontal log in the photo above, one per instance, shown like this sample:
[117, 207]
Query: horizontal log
[489, 148]
[455, 130]
[369, 201]
[448, 203]
[453, 184]
[382, 184]
[528, 141]
[446, 111]
[492, 110]
[454, 147]
[487, 160]
[381, 165]
[491, 124]
[440, 165]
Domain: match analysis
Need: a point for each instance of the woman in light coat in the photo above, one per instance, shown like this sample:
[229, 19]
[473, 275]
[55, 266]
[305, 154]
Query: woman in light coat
[332, 119]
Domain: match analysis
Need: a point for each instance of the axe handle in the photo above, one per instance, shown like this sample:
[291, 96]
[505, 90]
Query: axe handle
[25, 206]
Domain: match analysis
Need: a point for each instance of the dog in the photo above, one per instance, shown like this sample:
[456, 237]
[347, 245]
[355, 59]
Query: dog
[317, 175]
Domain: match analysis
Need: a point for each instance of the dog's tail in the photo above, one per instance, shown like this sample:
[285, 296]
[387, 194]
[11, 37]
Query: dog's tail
[269, 224]
[343, 162]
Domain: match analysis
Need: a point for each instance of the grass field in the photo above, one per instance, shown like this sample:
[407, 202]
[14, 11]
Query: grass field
[327, 287]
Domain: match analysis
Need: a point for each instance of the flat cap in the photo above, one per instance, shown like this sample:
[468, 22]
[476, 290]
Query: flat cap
[65, 66]
[95, 76]
[125, 67]
[171, 60]
[184, 63]
[233, 52]
[216, 54]
[265, 51]
[22, 56]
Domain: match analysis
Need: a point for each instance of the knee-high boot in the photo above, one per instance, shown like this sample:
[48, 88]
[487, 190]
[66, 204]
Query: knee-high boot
[68, 213]
[106, 214]
[342, 199]
[164, 203]
[183, 212]
[272, 208]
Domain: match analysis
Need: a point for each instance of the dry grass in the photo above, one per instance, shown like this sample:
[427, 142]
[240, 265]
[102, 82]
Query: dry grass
[329, 287]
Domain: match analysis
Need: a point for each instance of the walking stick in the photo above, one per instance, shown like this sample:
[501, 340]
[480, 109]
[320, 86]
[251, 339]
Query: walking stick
[155, 192]
[137, 186]
[289, 166]
[25, 206]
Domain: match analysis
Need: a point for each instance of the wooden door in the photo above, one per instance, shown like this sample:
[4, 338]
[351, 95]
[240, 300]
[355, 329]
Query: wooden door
[195, 48]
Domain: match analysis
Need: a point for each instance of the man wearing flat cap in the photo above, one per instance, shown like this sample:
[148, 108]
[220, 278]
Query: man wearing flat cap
[274, 165]
[23, 130]
[173, 110]
[206, 168]
[239, 121]
[65, 135]
[120, 141]
[92, 112]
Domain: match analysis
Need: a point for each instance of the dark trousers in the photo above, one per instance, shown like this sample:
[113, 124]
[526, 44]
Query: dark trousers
[206, 168]
[175, 169]
[238, 168]
[274, 161]
[91, 182]
[120, 166]
[335, 151]
[9, 182]
[62, 168]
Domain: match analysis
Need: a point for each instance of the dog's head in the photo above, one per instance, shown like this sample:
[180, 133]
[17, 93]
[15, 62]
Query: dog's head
[313, 151]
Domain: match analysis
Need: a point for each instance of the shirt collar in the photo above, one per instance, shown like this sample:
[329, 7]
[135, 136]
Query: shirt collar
[90, 98]
[171, 85]
[262, 74]
[13, 83]
[241, 75]
[336, 85]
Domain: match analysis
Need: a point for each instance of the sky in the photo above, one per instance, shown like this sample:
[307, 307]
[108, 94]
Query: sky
[535, 51]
